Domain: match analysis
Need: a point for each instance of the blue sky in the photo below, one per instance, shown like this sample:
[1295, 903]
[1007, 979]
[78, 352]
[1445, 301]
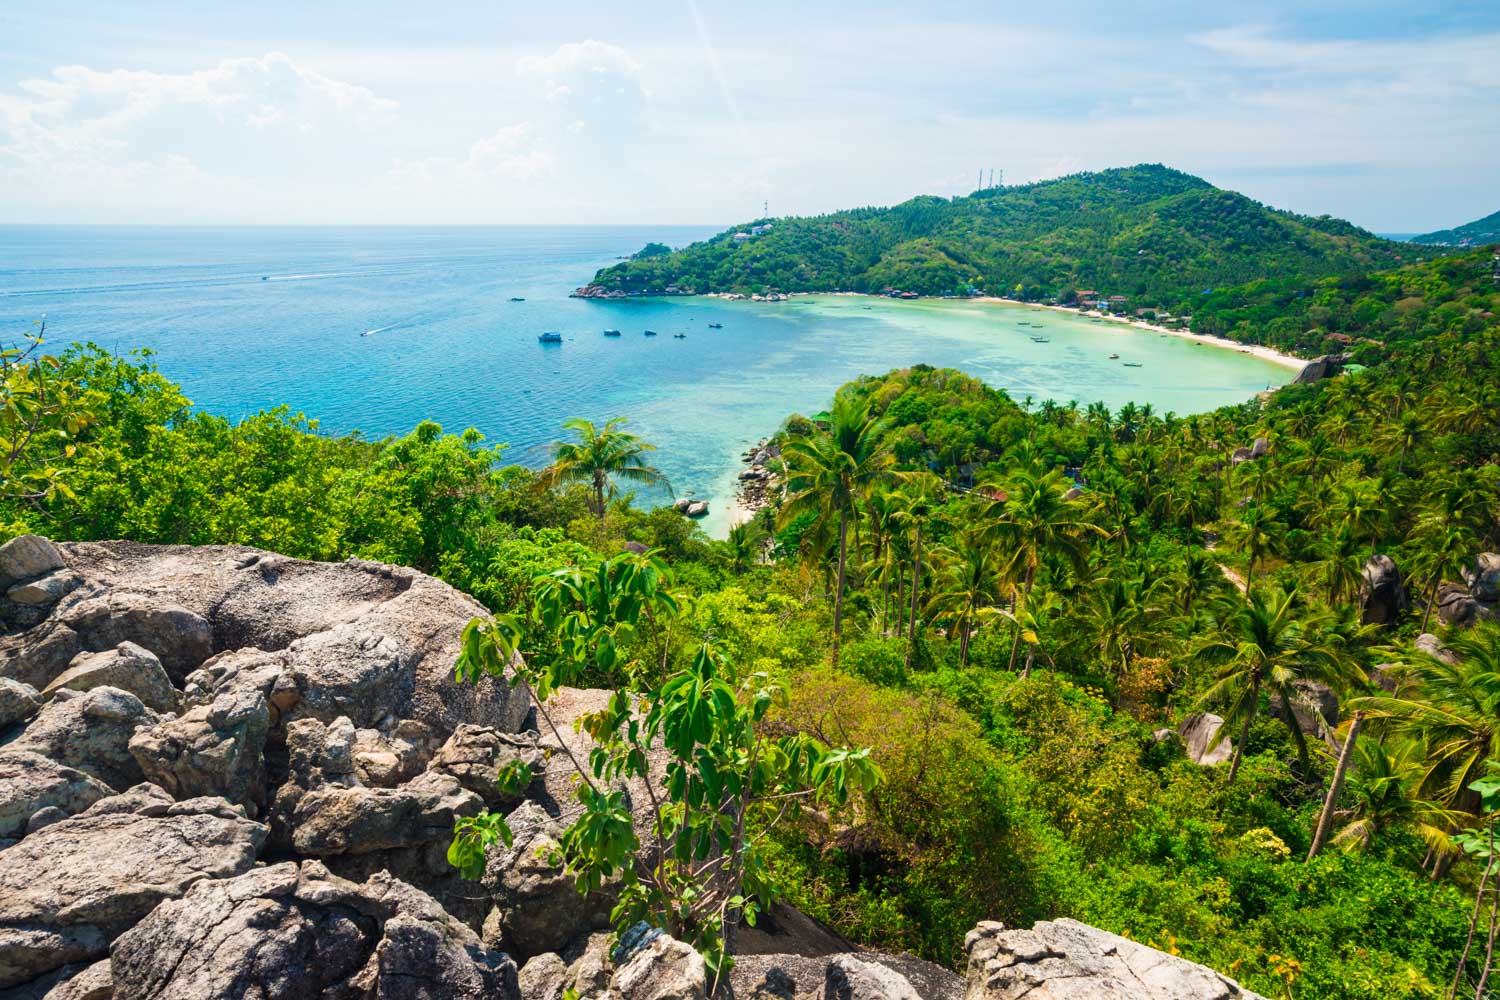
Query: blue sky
[1387, 114]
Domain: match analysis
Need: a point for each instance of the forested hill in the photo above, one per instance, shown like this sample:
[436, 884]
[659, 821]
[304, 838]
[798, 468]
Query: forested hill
[1477, 233]
[1147, 232]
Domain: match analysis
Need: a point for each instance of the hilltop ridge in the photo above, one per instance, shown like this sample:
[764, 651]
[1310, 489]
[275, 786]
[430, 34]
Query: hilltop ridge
[1149, 232]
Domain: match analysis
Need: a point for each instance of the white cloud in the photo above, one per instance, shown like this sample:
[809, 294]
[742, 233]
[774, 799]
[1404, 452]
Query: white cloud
[588, 71]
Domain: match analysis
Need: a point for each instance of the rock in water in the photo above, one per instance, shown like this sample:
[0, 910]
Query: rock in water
[293, 930]
[68, 890]
[1067, 960]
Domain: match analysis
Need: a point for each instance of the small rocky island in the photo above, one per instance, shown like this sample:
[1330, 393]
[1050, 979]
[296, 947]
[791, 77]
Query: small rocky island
[225, 773]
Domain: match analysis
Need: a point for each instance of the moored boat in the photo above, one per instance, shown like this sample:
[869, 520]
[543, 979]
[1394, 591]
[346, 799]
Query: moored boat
[611, 333]
[551, 337]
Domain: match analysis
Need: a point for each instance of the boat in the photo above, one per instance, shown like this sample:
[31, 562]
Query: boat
[550, 337]
[650, 333]
[716, 326]
[679, 336]
[611, 333]
[517, 298]
[264, 278]
[1113, 357]
[1040, 340]
[1133, 364]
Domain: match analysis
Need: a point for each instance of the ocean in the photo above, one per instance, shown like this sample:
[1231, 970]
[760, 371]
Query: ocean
[246, 318]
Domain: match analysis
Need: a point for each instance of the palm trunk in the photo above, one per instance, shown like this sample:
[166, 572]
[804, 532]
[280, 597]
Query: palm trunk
[1431, 599]
[599, 495]
[1015, 647]
[838, 594]
[1239, 748]
[916, 576]
[1325, 818]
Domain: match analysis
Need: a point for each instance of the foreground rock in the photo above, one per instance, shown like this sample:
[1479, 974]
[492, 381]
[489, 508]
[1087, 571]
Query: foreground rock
[89, 731]
[31, 784]
[294, 930]
[69, 889]
[1066, 960]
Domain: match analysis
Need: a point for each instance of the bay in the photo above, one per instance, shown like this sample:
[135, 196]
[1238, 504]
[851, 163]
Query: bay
[246, 318]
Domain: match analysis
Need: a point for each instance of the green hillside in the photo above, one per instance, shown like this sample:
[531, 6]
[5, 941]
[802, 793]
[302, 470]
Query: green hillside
[1148, 232]
[1477, 233]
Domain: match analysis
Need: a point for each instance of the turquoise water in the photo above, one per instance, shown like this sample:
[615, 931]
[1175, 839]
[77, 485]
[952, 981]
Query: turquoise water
[247, 318]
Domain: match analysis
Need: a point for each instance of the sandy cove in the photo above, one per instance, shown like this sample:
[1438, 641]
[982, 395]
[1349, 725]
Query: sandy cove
[1257, 350]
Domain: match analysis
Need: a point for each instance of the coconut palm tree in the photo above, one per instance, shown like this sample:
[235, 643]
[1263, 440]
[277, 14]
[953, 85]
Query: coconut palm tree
[598, 457]
[921, 494]
[828, 473]
[1454, 716]
[1258, 534]
[747, 540]
[1267, 643]
[1036, 520]
[1383, 795]
[968, 585]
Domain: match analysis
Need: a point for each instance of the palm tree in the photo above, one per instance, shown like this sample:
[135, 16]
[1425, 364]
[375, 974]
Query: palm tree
[1341, 559]
[968, 585]
[827, 474]
[1035, 521]
[599, 456]
[1264, 645]
[1257, 534]
[1444, 548]
[1383, 795]
[921, 493]
[1454, 716]
[747, 540]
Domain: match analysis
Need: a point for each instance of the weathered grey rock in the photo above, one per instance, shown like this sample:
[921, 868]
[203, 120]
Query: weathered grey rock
[26, 557]
[1197, 732]
[537, 908]
[180, 638]
[45, 591]
[1382, 592]
[356, 820]
[851, 978]
[1240, 456]
[1456, 606]
[1389, 677]
[31, 784]
[18, 702]
[214, 749]
[1483, 577]
[93, 982]
[385, 760]
[652, 966]
[543, 977]
[474, 755]
[639, 548]
[1316, 707]
[292, 930]
[37, 656]
[374, 642]
[1067, 960]
[90, 731]
[128, 667]
[68, 890]
[1260, 448]
[1326, 366]
[1429, 644]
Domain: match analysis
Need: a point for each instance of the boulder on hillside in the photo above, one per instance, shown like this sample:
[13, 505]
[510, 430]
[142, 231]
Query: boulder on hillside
[35, 657]
[1315, 707]
[18, 702]
[180, 639]
[296, 930]
[26, 557]
[30, 783]
[1483, 577]
[1382, 592]
[128, 667]
[68, 890]
[1326, 366]
[213, 749]
[1197, 733]
[1067, 960]
[90, 731]
[1433, 647]
[850, 978]
[650, 965]
[1456, 606]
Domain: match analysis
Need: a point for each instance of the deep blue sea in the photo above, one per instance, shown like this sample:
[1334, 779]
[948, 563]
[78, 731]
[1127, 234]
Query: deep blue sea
[247, 318]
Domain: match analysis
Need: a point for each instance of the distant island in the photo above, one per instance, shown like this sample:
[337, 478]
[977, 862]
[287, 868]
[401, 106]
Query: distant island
[1144, 237]
[1477, 233]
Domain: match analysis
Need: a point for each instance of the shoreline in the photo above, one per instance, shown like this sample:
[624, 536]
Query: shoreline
[1288, 361]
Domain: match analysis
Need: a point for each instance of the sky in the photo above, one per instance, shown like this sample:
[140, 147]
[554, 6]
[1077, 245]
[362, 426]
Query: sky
[704, 111]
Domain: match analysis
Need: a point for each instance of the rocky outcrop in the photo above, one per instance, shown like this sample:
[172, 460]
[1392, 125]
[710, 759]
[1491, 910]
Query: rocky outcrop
[1197, 733]
[1315, 707]
[18, 702]
[1456, 606]
[293, 930]
[1382, 592]
[1066, 960]
[31, 785]
[90, 731]
[69, 889]
[1326, 366]
[128, 667]
[1483, 577]
[213, 749]
[474, 755]
[1433, 647]
[536, 907]
[652, 966]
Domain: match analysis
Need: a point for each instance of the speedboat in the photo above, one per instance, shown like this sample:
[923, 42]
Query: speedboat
[517, 298]
[1114, 357]
[679, 336]
[550, 337]
[716, 326]
[611, 333]
[650, 333]
[1132, 364]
